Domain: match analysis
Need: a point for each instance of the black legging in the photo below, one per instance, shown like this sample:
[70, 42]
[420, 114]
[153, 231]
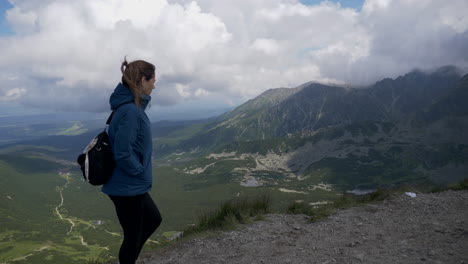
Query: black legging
[139, 217]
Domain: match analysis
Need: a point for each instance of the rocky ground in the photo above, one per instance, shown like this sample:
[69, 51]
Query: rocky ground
[429, 228]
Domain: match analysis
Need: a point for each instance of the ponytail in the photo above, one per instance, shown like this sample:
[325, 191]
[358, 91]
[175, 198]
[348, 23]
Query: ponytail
[133, 72]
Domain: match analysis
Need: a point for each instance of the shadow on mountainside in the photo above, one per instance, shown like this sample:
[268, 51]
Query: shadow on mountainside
[429, 228]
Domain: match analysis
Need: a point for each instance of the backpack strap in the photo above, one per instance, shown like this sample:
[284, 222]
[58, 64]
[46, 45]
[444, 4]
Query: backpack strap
[110, 118]
[112, 114]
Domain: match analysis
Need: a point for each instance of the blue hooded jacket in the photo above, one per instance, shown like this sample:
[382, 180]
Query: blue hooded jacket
[131, 142]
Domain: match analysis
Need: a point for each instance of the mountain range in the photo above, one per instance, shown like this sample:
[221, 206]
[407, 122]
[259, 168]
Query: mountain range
[403, 130]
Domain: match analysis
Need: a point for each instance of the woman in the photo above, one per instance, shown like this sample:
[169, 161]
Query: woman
[131, 142]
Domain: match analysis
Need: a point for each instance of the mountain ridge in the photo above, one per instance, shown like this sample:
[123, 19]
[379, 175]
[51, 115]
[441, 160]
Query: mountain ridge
[312, 106]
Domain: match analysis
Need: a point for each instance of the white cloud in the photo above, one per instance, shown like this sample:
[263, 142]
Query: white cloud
[286, 10]
[375, 5]
[21, 22]
[12, 94]
[142, 14]
[268, 46]
[66, 54]
[182, 90]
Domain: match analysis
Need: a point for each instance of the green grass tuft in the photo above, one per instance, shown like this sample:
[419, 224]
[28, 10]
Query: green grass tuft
[463, 185]
[102, 259]
[300, 208]
[315, 212]
[98, 261]
[345, 201]
[231, 213]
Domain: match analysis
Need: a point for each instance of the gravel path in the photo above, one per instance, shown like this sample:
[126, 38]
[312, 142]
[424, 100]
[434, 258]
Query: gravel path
[430, 228]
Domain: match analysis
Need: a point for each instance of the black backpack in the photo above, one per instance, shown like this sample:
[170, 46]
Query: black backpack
[97, 161]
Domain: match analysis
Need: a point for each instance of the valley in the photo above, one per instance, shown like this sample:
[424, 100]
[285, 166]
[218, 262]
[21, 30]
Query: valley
[54, 235]
[78, 221]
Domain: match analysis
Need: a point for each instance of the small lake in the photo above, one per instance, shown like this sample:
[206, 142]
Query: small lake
[361, 191]
[250, 183]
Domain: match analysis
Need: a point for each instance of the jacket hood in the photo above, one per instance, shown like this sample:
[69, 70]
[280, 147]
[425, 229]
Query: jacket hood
[123, 95]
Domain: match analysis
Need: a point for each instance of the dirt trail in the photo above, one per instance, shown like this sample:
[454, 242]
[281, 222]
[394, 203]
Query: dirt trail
[430, 228]
[57, 209]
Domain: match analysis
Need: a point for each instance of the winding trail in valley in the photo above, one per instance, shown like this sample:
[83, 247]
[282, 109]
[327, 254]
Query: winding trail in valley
[72, 223]
[30, 254]
[57, 209]
[75, 223]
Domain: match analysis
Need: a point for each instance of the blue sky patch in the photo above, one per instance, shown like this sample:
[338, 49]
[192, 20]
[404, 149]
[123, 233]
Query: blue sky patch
[4, 27]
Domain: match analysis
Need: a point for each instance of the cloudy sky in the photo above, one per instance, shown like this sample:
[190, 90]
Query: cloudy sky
[65, 55]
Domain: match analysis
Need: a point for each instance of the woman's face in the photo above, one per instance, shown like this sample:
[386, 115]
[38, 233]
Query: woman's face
[147, 86]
